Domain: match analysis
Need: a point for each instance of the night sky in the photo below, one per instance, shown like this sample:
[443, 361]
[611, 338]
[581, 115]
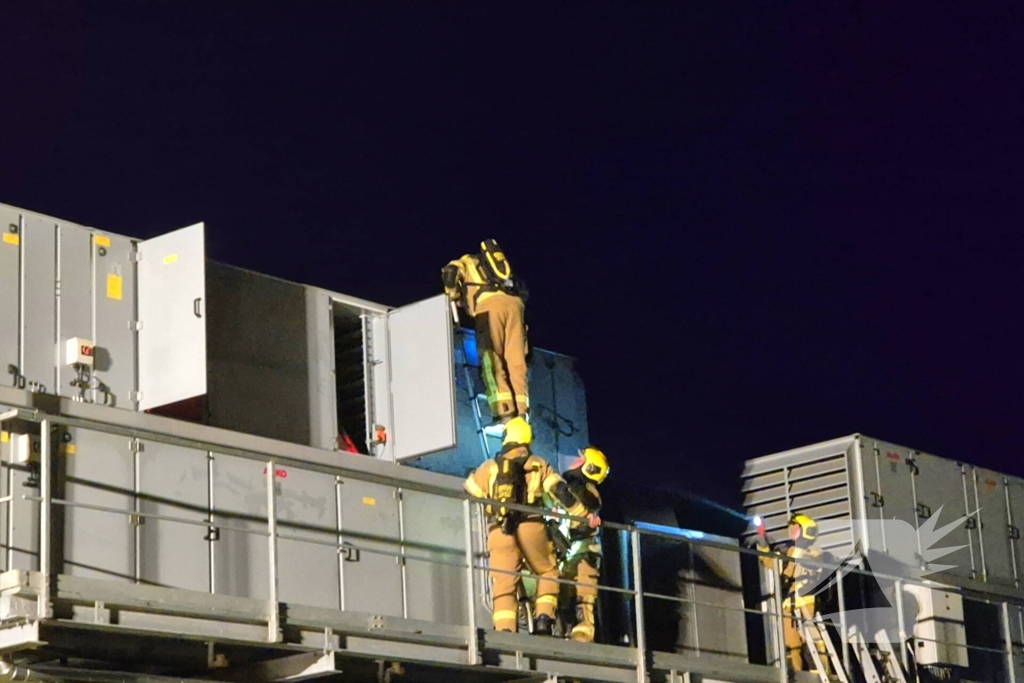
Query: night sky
[756, 225]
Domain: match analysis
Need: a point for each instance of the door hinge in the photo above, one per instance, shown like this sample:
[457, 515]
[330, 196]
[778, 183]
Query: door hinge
[135, 396]
[136, 256]
[972, 523]
[212, 534]
[877, 500]
[135, 519]
[136, 446]
[135, 325]
[1014, 532]
[923, 511]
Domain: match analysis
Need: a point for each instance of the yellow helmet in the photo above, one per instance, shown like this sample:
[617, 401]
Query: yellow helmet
[517, 431]
[595, 464]
[808, 527]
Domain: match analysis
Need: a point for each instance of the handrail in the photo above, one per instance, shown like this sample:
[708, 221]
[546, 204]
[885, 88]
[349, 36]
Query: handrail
[471, 554]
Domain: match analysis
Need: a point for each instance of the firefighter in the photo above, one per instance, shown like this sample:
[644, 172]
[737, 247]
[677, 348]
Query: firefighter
[797, 579]
[516, 538]
[483, 285]
[582, 562]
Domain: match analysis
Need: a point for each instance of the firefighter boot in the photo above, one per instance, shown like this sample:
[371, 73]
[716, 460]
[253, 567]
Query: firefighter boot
[583, 631]
[542, 625]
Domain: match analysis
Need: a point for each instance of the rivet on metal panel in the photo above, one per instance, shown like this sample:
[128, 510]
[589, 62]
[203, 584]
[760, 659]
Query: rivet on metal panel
[376, 622]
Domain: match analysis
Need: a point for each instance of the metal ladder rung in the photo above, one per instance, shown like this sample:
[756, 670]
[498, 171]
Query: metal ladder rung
[863, 655]
[822, 631]
[890, 661]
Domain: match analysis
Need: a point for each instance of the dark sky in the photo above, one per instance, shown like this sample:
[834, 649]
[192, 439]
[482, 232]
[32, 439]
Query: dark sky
[756, 224]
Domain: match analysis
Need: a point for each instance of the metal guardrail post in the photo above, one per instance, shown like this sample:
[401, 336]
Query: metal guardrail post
[780, 636]
[843, 626]
[43, 609]
[902, 624]
[641, 635]
[473, 641]
[1008, 640]
[274, 618]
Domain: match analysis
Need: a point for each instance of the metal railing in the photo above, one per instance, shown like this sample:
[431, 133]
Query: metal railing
[464, 560]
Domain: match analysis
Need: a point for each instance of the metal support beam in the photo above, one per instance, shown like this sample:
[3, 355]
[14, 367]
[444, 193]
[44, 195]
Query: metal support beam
[274, 617]
[641, 634]
[1011, 675]
[20, 637]
[45, 610]
[474, 629]
[777, 617]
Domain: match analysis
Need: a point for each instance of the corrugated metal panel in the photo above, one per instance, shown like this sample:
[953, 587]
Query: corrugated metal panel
[114, 288]
[10, 291]
[75, 300]
[39, 286]
[1015, 490]
[988, 495]
[939, 483]
[100, 471]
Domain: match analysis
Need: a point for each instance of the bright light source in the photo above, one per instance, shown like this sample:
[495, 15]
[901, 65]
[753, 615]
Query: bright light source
[757, 520]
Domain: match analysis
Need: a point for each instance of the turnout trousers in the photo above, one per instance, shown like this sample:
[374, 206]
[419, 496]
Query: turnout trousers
[529, 547]
[501, 343]
[584, 567]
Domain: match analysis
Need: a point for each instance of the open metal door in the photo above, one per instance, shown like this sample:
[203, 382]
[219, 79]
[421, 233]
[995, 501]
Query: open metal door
[172, 305]
[422, 378]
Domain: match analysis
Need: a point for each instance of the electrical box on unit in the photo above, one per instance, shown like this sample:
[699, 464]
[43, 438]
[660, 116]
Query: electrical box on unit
[80, 351]
[940, 636]
[935, 603]
[940, 643]
[24, 448]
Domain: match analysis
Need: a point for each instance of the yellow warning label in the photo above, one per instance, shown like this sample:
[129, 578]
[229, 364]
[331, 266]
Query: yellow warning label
[4, 437]
[170, 258]
[102, 241]
[114, 287]
[70, 449]
[11, 238]
[369, 501]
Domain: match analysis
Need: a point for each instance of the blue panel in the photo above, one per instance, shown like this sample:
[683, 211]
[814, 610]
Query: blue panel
[466, 351]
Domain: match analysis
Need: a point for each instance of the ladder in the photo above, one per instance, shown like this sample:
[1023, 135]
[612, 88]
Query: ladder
[814, 628]
[475, 398]
[892, 670]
